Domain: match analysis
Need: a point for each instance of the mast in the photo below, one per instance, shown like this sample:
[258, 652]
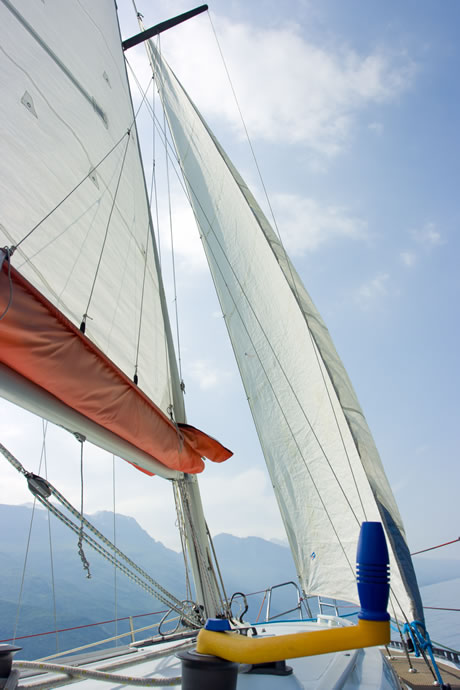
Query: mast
[79, 226]
[206, 589]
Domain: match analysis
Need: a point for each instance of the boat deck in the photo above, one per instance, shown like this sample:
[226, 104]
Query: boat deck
[423, 679]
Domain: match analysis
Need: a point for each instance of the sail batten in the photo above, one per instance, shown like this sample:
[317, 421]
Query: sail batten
[318, 449]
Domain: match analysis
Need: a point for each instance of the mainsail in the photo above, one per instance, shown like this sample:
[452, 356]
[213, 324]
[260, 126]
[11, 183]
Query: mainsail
[323, 463]
[75, 213]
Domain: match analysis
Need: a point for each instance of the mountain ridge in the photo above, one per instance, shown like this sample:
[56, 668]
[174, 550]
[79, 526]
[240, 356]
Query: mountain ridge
[249, 564]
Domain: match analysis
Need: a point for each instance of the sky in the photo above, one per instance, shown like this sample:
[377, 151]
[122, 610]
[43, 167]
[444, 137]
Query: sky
[352, 110]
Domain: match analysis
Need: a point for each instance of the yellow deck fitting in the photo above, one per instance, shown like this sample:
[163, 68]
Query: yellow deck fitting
[261, 650]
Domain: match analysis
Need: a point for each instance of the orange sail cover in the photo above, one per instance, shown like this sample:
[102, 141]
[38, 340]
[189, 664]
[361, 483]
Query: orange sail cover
[40, 343]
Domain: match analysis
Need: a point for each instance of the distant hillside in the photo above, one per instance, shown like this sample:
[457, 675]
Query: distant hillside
[432, 570]
[79, 600]
[248, 565]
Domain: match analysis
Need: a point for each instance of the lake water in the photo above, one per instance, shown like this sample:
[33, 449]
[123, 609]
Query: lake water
[443, 626]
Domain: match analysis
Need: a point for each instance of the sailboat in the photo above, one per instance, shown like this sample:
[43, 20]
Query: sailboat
[86, 340]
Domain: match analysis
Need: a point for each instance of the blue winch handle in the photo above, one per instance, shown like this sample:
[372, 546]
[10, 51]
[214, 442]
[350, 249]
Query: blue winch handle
[373, 572]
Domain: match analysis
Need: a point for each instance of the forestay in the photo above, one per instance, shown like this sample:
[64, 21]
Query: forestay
[322, 460]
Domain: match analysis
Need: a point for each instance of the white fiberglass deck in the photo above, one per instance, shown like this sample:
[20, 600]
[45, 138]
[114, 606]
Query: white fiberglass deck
[366, 669]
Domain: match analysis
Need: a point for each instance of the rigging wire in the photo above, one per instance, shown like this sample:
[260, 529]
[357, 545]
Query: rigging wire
[183, 540]
[153, 180]
[403, 641]
[26, 556]
[173, 257]
[85, 315]
[293, 284]
[182, 503]
[81, 553]
[206, 569]
[322, 373]
[156, 128]
[214, 554]
[431, 548]
[91, 172]
[89, 625]
[266, 374]
[44, 430]
[115, 543]
[148, 230]
[191, 189]
[256, 162]
[21, 589]
[45, 489]
[136, 365]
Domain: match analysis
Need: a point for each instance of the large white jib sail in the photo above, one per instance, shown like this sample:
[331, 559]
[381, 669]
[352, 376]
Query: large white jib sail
[322, 459]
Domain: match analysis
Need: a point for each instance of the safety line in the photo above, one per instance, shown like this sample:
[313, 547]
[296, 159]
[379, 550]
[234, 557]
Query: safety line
[415, 553]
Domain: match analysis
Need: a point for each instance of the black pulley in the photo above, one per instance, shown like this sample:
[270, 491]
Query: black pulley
[206, 672]
[6, 659]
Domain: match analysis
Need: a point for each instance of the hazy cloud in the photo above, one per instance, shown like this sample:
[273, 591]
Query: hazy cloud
[373, 289]
[188, 249]
[428, 236]
[409, 259]
[257, 514]
[290, 89]
[376, 127]
[207, 375]
[305, 225]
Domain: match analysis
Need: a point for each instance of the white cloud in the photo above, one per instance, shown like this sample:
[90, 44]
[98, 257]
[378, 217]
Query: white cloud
[372, 290]
[257, 514]
[305, 225]
[207, 375]
[409, 259]
[428, 236]
[376, 127]
[290, 89]
[188, 249]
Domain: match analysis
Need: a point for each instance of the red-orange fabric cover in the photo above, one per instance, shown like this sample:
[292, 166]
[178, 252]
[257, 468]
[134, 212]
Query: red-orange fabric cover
[41, 344]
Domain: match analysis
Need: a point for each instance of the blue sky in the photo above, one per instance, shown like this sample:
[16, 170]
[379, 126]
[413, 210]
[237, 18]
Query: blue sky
[352, 109]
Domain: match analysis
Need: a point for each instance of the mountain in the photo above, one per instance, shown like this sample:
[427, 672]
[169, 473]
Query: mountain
[432, 570]
[249, 565]
[79, 600]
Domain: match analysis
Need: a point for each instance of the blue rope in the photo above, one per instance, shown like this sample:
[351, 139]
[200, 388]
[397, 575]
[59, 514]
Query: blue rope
[421, 641]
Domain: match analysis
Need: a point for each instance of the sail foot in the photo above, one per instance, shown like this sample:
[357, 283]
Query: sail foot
[41, 345]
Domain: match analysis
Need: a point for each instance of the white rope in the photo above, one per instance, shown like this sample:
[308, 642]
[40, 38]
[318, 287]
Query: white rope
[86, 673]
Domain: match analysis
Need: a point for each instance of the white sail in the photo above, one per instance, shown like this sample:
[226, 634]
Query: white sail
[63, 111]
[322, 460]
